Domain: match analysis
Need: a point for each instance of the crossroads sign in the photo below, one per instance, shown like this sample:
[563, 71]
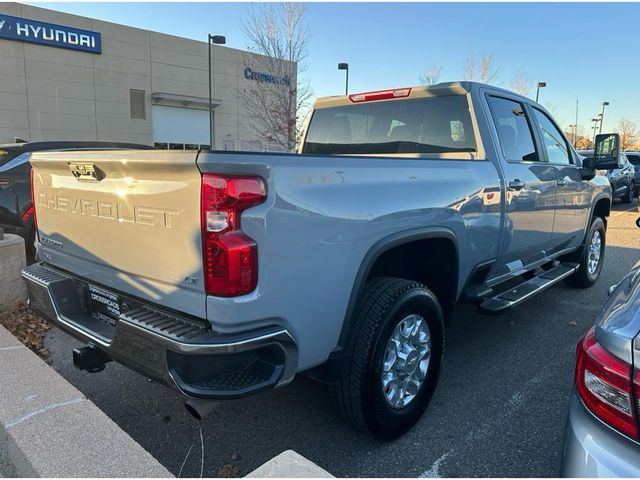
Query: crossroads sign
[33, 31]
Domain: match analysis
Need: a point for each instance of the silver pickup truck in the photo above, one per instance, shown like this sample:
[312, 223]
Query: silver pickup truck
[223, 274]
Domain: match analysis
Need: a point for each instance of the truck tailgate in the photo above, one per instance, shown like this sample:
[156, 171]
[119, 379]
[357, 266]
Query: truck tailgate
[127, 220]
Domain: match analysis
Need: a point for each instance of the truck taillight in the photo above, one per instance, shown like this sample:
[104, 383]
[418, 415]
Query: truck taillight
[230, 256]
[604, 383]
[33, 206]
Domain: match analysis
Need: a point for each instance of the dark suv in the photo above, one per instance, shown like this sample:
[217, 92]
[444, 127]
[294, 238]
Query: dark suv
[634, 158]
[623, 179]
[16, 209]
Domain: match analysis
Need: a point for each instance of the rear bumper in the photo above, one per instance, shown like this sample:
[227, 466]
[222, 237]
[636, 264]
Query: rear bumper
[177, 351]
[592, 449]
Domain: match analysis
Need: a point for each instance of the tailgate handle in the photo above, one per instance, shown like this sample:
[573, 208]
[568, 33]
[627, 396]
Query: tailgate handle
[86, 172]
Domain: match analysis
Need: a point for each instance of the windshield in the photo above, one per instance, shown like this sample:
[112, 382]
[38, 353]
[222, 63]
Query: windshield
[418, 125]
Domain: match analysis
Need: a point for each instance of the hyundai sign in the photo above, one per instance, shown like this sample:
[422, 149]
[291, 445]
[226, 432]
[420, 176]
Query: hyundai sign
[33, 31]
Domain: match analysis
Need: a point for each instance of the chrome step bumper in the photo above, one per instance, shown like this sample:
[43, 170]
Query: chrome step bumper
[176, 351]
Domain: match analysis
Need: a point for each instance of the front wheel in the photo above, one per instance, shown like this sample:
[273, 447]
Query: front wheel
[592, 256]
[393, 358]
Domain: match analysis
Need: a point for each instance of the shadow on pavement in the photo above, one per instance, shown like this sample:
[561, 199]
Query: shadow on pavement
[499, 409]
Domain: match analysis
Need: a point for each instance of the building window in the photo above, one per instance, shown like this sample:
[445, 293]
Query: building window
[136, 98]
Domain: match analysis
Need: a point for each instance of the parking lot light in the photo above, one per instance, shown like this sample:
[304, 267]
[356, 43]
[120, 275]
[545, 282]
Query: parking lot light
[218, 40]
[345, 67]
[539, 86]
[604, 104]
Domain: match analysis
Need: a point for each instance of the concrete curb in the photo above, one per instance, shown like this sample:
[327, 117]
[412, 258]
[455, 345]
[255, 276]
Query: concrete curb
[12, 261]
[289, 464]
[49, 429]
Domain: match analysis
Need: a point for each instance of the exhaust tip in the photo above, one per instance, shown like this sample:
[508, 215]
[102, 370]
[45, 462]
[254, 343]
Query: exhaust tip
[192, 411]
[199, 408]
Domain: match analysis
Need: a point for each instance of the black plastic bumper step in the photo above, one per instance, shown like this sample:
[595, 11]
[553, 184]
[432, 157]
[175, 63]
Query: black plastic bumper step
[514, 296]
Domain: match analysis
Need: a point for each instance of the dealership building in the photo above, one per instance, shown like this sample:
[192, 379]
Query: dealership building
[67, 77]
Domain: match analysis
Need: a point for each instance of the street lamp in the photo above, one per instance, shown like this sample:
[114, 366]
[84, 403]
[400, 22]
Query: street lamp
[595, 126]
[604, 104]
[540, 85]
[345, 66]
[218, 40]
[574, 133]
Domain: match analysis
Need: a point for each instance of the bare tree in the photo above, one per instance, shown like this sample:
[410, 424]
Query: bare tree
[275, 96]
[521, 83]
[482, 70]
[584, 143]
[431, 74]
[628, 132]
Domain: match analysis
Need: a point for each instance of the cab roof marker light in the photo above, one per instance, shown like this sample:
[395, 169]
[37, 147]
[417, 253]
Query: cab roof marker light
[380, 95]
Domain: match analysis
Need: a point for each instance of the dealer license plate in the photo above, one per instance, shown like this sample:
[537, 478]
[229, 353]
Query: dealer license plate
[105, 305]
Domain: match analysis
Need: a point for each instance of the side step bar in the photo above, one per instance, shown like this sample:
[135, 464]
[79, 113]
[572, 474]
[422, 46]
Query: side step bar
[515, 296]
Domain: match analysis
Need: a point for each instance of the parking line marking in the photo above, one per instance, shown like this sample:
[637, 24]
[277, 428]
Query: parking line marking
[433, 472]
[13, 348]
[46, 408]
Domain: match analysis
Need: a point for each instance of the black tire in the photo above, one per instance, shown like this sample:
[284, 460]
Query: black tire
[358, 393]
[582, 278]
[628, 197]
[30, 247]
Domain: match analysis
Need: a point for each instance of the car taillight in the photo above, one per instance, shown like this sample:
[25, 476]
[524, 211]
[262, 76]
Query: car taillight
[33, 207]
[230, 256]
[604, 383]
[636, 388]
[380, 95]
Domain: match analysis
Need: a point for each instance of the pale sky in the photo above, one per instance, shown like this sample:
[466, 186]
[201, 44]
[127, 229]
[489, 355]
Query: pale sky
[579, 49]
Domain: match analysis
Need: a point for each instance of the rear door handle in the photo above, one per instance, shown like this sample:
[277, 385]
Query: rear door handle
[516, 184]
[561, 182]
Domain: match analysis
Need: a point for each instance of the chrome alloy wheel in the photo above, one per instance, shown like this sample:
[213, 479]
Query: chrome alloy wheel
[594, 252]
[406, 361]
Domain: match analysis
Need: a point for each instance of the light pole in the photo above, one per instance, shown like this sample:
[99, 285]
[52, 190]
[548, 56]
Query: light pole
[595, 126]
[345, 66]
[539, 86]
[574, 133]
[218, 40]
[604, 104]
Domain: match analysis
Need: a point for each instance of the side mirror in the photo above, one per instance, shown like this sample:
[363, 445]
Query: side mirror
[589, 163]
[607, 151]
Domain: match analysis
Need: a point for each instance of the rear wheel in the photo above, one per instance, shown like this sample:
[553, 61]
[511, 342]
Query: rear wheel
[592, 256]
[393, 358]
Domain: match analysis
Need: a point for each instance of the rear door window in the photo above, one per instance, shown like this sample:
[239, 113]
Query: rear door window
[416, 125]
[514, 131]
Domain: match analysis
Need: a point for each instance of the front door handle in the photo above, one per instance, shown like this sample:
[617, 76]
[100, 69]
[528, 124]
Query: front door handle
[561, 182]
[516, 184]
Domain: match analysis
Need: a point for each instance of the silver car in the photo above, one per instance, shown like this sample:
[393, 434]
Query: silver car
[603, 428]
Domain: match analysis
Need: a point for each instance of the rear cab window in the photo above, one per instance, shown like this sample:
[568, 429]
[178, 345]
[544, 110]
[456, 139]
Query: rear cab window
[439, 124]
[514, 130]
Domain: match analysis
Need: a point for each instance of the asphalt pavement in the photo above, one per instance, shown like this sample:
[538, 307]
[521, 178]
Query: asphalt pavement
[499, 409]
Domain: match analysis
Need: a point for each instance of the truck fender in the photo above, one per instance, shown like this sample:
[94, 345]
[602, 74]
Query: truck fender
[374, 252]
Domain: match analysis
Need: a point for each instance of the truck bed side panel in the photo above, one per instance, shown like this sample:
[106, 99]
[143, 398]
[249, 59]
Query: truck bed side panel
[322, 216]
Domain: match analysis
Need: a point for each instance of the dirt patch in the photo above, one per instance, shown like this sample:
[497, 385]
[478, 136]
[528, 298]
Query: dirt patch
[28, 327]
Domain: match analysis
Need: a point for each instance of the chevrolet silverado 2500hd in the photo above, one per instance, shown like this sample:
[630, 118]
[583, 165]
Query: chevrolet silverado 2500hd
[223, 274]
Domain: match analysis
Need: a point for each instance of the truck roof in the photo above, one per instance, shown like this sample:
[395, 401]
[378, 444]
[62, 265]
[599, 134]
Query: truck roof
[439, 89]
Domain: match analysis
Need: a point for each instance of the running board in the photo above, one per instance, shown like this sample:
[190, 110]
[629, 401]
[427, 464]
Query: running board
[515, 296]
